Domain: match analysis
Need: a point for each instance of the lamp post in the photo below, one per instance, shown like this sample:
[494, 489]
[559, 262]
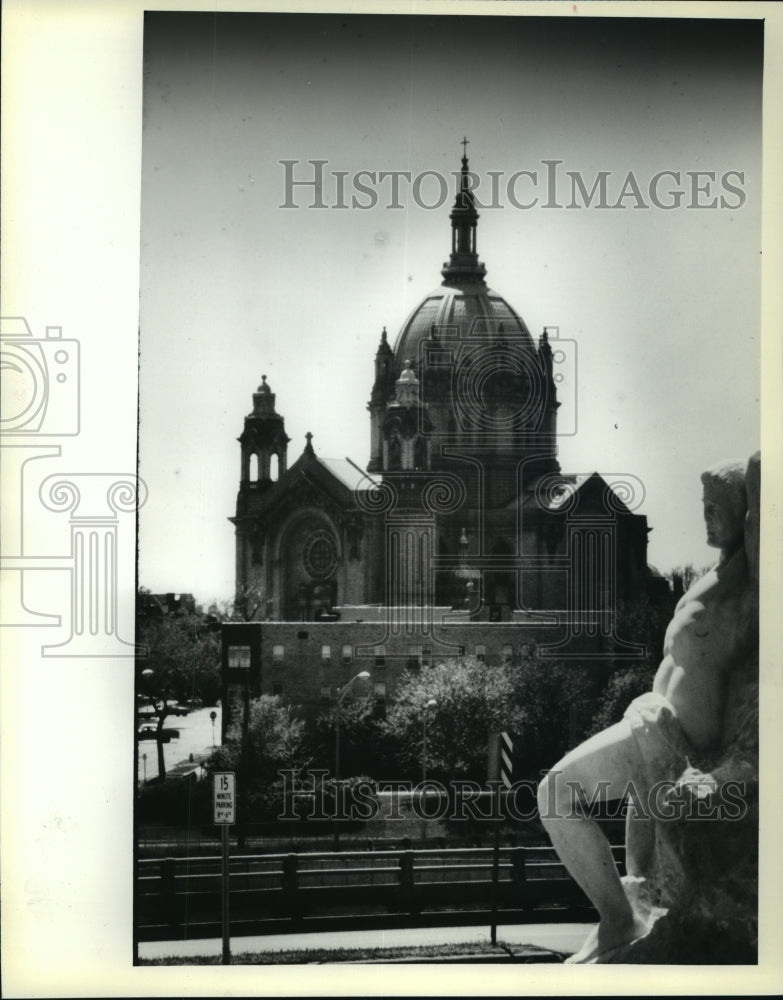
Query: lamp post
[430, 704]
[363, 676]
[141, 680]
[146, 674]
[213, 716]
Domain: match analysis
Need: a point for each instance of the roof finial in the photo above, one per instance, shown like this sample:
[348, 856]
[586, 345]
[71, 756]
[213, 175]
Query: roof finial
[383, 335]
[464, 265]
[309, 445]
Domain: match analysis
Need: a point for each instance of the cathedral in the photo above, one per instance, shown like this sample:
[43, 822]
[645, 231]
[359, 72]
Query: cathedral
[461, 528]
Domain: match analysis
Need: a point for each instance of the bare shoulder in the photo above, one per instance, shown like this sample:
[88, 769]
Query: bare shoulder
[699, 591]
[723, 583]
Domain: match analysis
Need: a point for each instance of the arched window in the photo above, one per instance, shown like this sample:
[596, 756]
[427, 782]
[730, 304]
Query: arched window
[274, 468]
[419, 454]
[395, 454]
[253, 468]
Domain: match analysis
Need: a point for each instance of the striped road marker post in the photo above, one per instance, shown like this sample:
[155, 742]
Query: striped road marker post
[501, 772]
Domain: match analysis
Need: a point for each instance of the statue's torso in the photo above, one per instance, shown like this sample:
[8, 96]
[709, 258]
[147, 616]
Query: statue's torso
[703, 642]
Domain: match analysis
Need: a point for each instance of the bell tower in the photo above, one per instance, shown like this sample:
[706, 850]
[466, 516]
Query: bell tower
[263, 441]
[405, 447]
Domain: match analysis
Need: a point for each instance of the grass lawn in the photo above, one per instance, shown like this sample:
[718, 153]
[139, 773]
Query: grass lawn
[478, 951]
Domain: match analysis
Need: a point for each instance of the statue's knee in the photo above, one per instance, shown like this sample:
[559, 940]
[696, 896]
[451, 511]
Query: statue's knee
[543, 796]
[549, 792]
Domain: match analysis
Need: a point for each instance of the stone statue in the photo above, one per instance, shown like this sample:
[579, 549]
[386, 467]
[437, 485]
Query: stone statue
[686, 750]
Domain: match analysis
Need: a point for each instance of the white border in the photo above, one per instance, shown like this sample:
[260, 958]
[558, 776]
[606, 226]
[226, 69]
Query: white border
[72, 138]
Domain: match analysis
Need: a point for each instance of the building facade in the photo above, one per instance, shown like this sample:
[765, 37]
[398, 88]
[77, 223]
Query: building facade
[462, 535]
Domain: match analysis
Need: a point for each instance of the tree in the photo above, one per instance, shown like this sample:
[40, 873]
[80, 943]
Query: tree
[360, 734]
[274, 741]
[248, 600]
[182, 664]
[555, 705]
[682, 578]
[623, 686]
[644, 621]
[472, 700]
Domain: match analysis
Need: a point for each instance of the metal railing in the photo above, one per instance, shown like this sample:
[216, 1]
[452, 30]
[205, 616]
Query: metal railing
[180, 897]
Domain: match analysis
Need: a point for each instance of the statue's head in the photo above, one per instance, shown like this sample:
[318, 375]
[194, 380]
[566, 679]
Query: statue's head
[725, 505]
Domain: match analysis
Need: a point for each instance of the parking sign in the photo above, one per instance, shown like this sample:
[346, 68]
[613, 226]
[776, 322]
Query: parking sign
[224, 797]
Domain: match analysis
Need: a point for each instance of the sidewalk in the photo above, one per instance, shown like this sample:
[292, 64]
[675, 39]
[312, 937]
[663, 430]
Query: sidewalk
[562, 938]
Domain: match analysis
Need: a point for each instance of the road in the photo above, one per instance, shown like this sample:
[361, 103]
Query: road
[195, 737]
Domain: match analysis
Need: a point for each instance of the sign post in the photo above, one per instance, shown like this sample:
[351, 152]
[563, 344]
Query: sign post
[500, 773]
[224, 806]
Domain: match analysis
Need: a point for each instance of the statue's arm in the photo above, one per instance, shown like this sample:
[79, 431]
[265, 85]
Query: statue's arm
[738, 760]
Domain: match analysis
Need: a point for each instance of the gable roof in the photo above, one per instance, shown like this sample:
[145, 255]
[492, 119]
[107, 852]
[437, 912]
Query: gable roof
[336, 479]
[349, 473]
[591, 493]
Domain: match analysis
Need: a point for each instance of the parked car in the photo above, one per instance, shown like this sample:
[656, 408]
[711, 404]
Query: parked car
[152, 733]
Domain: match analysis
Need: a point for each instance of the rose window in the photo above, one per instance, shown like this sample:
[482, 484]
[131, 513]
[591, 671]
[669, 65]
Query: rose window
[320, 555]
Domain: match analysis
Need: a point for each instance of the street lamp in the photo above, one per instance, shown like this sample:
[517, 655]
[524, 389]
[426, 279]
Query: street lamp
[142, 692]
[363, 676]
[213, 716]
[430, 704]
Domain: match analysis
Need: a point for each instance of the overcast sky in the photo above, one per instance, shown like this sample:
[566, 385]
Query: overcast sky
[663, 305]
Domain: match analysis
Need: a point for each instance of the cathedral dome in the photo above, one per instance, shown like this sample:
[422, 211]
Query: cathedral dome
[464, 372]
[462, 308]
[456, 313]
